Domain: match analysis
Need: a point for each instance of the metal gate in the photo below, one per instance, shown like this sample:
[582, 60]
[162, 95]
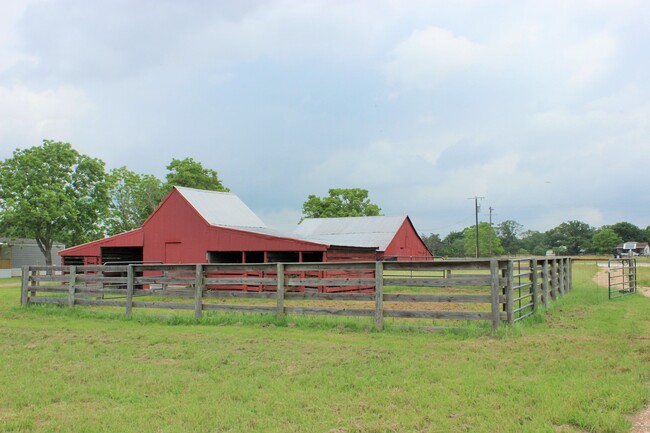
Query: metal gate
[622, 277]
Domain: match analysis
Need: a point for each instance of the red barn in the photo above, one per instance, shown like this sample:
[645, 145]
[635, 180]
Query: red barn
[394, 238]
[196, 226]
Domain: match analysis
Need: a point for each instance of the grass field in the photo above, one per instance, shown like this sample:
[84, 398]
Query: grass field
[583, 366]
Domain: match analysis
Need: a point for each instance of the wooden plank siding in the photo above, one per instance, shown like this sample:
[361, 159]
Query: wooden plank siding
[494, 290]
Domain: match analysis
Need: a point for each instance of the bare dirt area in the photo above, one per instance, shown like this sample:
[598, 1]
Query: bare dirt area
[640, 421]
[602, 279]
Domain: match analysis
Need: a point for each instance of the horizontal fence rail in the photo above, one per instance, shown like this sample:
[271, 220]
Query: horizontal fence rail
[494, 290]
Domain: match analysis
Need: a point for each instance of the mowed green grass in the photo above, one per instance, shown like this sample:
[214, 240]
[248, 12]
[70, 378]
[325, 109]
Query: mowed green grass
[583, 366]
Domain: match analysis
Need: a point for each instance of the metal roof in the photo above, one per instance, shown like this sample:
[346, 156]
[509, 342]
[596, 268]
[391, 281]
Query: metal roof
[370, 232]
[221, 208]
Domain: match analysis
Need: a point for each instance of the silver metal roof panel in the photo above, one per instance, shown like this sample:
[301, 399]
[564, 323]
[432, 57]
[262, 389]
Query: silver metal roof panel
[221, 208]
[370, 232]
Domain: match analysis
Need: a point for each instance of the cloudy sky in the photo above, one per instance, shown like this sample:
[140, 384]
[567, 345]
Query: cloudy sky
[542, 107]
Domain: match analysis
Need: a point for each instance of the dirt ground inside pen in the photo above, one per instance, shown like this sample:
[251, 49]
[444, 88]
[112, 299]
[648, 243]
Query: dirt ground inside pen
[640, 421]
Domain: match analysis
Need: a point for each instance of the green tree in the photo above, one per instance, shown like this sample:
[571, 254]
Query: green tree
[534, 242]
[605, 240]
[489, 243]
[628, 232]
[572, 237]
[341, 202]
[433, 243]
[508, 232]
[189, 173]
[52, 192]
[133, 198]
[453, 244]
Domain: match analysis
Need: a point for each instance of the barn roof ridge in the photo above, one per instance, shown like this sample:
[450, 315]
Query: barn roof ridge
[204, 190]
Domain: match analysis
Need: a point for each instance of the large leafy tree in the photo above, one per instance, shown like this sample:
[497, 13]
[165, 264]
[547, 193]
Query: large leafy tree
[192, 174]
[53, 193]
[628, 232]
[572, 237]
[534, 242]
[489, 243]
[433, 243]
[133, 198]
[605, 240]
[508, 232]
[341, 202]
[453, 244]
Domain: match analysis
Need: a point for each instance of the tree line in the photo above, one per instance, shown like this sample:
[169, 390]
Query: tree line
[51, 192]
[510, 238]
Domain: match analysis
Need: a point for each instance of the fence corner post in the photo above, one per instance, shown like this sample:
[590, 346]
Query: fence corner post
[510, 305]
[72, 286]
[24, 286]
[198, 291]
[279, 309]
[379, 295]
[130, 282]
[494, 293]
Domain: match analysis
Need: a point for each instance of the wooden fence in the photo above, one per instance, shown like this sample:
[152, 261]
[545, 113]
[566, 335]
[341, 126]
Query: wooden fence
[495, 290]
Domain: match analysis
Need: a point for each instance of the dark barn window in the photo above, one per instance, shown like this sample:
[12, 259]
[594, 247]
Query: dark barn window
[254, 256]
[312, 256]
[224, 256]
[115, 255]
[283, 256]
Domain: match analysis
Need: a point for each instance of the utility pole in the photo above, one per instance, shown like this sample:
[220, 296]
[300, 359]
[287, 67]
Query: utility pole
[476, 208]
[491, 209]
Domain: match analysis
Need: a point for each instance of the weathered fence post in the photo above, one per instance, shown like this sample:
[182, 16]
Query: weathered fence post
[534, 283]
[72, 285]
[379, 295]
[560, 265]
[130, 282]
[553, 279]
[100, 283]
[510, 306]
[495, 292]
[24, 286]
[567, 274]
[279, 312]
[198, 291]
[545, 293]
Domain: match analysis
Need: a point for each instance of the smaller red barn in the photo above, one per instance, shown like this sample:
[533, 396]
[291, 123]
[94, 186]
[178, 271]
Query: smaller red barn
[394, 238]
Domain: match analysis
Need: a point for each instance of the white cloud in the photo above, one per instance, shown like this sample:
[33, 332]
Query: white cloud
[430, 55]
[29, 116]
[10, 49]
[590, 59]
